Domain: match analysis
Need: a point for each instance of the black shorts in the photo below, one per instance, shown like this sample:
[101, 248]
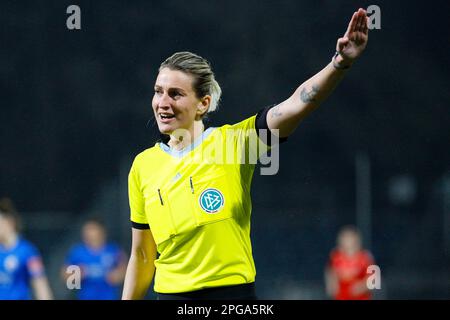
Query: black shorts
[238, 292]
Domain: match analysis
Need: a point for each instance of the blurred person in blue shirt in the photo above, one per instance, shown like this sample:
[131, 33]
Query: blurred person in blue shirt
[102, 263]
[22, 274]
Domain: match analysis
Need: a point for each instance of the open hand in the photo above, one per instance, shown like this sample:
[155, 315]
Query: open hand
[354, 41]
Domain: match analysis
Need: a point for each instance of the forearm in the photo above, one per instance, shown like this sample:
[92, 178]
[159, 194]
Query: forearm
[41, 289]
[360, 288]
[315, 90]
[309, 95]
[331, 283]
[117, 275]
[138, 277]
[287, 115]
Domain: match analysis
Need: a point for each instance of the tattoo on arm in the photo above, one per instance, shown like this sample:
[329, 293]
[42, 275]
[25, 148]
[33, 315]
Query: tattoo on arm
[310, 96]
[276, 111]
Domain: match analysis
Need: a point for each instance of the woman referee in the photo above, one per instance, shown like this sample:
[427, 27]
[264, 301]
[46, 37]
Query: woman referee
[193, 210]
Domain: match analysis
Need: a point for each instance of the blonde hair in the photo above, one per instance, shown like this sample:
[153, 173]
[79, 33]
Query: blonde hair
[200, 69]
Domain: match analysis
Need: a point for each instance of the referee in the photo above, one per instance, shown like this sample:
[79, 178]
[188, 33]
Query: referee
[190, 213]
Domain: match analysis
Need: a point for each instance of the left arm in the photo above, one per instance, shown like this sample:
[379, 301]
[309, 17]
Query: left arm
[117, 275]
[287, 115]
[38, 279]
[331, 282]
[41, 288]
[359, 288]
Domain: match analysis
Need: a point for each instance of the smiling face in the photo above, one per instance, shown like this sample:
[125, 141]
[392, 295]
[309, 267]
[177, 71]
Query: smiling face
[175, 103]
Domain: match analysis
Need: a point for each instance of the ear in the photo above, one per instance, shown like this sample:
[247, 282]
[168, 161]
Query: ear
[203, 106]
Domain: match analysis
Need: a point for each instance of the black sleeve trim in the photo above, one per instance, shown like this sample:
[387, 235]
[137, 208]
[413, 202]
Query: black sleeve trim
[261, 123]
[140, 226]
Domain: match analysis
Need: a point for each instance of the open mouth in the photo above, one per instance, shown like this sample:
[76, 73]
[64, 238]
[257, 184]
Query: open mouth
[166, 116]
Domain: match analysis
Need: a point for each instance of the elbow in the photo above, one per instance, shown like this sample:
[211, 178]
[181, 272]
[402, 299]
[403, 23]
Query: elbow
[142, 257]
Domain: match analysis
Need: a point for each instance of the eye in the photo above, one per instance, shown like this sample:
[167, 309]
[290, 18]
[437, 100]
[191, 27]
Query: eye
[175, 94]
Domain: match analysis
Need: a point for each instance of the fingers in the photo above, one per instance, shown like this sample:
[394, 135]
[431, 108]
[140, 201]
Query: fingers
[360, 27]
[361, 20]
[357, 20]
[352, 24]
[366, 26]
[358, 23]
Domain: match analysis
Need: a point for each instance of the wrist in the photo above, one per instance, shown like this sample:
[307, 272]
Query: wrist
[340, 63]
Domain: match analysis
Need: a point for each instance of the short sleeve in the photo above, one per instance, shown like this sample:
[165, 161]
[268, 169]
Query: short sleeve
[331, 259]
[369, 259]
[262, 128]
[71, 257]
[246, 140]
[35, 266]
[136, 198]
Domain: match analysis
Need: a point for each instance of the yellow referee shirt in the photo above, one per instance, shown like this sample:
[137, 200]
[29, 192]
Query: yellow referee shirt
[197, 205]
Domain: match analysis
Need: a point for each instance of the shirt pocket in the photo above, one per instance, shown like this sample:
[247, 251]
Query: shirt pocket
[159, 216]
[211, 198]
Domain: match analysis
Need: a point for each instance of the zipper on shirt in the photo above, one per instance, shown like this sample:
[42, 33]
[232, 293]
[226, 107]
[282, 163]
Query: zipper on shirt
[192, 185]
[160, 197]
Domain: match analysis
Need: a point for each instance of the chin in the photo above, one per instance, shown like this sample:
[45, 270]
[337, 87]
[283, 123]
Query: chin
[165, 129]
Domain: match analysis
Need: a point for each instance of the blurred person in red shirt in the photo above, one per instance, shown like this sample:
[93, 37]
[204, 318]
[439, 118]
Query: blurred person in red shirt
[346, 272]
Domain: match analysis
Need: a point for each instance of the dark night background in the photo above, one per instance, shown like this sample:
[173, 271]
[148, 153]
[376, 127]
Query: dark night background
[75, 110]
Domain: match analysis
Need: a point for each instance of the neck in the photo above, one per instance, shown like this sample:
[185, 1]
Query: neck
[96, 246]
[180, 139]
[10, 241]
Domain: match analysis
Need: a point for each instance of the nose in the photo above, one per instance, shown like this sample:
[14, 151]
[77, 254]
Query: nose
[163, 101]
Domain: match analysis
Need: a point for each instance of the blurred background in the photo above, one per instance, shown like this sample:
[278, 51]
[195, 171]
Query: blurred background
[76, 109]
